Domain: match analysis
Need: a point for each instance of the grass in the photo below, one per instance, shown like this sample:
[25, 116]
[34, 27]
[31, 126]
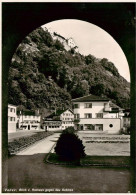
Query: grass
[107, 149]
[117, 161]
[28, 172]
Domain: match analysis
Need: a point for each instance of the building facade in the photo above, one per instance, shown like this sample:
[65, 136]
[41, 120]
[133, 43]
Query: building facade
[27, 120]
[97, 114]
[67, 118]
[59, 120]
[12, 118]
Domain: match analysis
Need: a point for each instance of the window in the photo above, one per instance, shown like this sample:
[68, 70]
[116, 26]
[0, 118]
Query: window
[99, 127]
[99, 115]
[111, 125]
[12, 118]
[76, 105]
[76, 116]
[88, 105]
[88, 115]
[89, 127]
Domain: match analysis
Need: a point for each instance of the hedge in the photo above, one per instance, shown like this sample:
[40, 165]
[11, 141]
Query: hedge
[21, 143]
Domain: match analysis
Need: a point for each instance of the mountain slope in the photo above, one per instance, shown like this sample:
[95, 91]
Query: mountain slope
[43, 74]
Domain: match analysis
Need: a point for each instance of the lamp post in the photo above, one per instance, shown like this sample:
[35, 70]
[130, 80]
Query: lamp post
[22, 119]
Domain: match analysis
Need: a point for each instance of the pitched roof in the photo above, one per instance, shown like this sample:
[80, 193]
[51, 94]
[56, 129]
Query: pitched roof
[12, 105]
[27, 113]
[90, 98]
[114, 106]
[58, 113]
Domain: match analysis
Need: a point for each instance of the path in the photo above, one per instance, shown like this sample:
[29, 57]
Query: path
[43, 146]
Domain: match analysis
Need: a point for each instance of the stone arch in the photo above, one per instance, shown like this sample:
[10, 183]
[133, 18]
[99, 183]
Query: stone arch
[19, 19]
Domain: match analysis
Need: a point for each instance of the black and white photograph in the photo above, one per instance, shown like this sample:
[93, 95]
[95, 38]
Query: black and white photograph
[68, 97]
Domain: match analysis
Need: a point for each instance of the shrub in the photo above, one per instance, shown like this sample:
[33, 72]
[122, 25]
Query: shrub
[69, 147]
[69, 130]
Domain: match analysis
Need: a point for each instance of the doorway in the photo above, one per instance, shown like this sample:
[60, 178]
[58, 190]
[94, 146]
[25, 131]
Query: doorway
[28, 127]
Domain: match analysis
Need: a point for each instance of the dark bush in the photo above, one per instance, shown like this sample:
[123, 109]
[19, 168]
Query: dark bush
[69, 147]
[69, 130]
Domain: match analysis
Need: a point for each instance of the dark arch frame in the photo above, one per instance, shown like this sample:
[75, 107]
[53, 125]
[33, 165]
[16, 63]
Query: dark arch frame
[19, 19]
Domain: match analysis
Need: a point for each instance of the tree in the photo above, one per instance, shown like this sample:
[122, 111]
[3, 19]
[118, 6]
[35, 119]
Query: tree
[98, 89]
[90, 59]
[58, 45]
[69, 147]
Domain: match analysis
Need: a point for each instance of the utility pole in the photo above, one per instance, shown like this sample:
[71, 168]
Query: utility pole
[22, 119]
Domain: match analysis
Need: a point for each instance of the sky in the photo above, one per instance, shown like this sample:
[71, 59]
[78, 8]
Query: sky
[93, 40]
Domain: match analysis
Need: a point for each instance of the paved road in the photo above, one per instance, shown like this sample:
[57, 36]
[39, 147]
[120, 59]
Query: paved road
[43, 146]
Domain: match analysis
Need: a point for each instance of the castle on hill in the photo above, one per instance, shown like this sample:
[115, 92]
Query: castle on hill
[68, 43]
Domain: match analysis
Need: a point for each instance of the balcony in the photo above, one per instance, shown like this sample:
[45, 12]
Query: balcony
[121, 114]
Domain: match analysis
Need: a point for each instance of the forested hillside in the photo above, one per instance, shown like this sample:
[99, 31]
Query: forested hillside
[44, 75]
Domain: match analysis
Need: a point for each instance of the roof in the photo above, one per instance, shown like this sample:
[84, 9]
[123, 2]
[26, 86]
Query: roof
[27, 113]
[58, 113]
[114, 106]
[127, 110]
[90, 98]
[12, 105]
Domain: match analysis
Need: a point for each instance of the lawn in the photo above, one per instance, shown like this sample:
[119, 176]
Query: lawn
[107, 149]
[33, 174]
[106, 145]
[108, 161]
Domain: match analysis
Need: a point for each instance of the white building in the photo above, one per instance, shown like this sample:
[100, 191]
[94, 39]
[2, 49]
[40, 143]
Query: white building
[97, 114]
[28, 120]
[60, 120]
[67, 118]
[72, 44]
[12, 118]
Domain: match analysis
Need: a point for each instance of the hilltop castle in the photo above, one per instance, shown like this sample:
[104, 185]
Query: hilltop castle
[68, 43]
